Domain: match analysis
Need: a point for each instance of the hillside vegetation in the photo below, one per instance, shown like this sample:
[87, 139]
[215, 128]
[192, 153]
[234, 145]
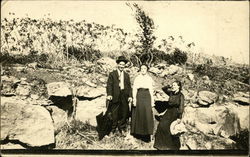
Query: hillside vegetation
[41, 55]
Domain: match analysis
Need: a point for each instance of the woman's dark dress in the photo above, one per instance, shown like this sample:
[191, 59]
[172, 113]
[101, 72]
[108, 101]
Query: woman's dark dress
[142, 122]
[163, 138]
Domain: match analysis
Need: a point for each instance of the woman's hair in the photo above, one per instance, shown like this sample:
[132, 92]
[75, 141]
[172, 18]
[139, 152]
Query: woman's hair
[145, 66]
[179, 84]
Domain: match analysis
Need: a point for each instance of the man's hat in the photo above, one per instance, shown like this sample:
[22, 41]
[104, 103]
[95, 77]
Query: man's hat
[121, 59]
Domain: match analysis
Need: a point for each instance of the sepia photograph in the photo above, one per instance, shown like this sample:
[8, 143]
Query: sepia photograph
[124, 78]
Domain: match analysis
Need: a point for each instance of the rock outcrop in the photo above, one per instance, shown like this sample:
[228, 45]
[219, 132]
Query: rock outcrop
[242, 98]
[29, 124]
[206, 98]
[213, 120]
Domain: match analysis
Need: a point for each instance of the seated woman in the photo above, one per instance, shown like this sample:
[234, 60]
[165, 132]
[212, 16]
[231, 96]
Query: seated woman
[163, 138]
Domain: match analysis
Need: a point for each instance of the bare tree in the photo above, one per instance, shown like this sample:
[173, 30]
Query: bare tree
[146, 37]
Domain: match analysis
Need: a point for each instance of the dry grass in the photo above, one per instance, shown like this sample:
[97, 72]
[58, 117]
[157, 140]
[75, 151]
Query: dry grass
[81, 135]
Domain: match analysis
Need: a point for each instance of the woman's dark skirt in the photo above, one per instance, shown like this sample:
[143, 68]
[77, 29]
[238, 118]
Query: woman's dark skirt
[142, 123]
[163, 138]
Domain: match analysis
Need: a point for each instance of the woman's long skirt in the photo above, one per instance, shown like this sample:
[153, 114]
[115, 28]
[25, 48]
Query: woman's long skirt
[142, 117]
[163, 138]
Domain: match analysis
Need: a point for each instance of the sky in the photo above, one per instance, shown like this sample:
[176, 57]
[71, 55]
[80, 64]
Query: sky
[217, 27]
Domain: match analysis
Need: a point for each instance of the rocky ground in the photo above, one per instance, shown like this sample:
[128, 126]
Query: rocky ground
[56, 108]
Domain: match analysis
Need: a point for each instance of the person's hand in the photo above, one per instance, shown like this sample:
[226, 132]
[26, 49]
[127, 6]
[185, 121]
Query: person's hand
[130, 99]
[109, 97]
[178, 120]
[134, 102]
[152, 103]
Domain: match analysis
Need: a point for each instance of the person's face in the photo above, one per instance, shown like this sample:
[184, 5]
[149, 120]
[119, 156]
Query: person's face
[144, 69]
[121, 66]
[175, 87]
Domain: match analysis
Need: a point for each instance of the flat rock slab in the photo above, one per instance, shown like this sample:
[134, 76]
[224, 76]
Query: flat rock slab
[90, 92]
[61, 89]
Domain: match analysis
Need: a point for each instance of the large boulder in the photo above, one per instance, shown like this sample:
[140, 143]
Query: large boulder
[242, 98]
[58, 116]
[30, 124]
[23, 89]
[242, 113]
[90, 92]
[172, 69]
[19, 68]
[87, 110]
[61, 95]
[195, 140]
[227, 123]
[206, 98]
[154, 70]
[90, 84]
[61, 89]
[217, 120]
[11, 146]
[9, 84]
[190, 95]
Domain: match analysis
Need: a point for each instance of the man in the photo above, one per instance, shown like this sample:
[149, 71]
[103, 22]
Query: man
[119, 93]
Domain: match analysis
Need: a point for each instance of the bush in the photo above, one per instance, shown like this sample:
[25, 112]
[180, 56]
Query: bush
[224, 80]
[24, 59]
[223, 73]
[179, 57]
[84, 53]
[160, 56]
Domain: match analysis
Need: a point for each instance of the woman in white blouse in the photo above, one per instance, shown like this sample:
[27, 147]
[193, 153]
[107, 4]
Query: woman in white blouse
[142, 122]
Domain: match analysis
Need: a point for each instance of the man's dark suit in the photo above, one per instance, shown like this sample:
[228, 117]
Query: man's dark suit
[119, 103]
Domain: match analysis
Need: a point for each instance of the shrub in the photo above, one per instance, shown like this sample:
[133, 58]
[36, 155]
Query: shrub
[24, 59]
[223, 73]
[179, 57]
[160, 56]
[86, 53]
[69, 137]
